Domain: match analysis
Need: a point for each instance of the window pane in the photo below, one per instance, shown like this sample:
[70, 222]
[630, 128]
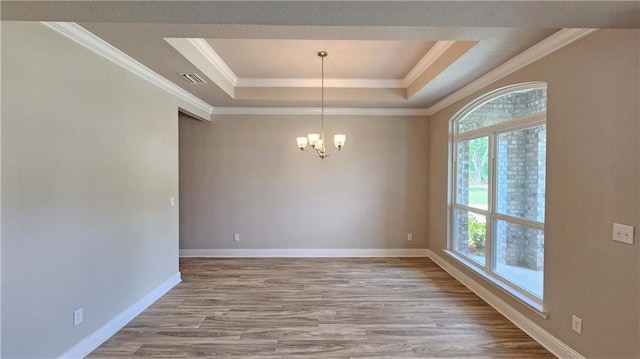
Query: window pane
[472, 171]
[519, 255]
[521, 168]
[470, 234]
[504, 108]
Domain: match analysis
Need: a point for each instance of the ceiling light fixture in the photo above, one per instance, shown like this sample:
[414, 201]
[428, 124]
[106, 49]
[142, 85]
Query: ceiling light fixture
[315, 140]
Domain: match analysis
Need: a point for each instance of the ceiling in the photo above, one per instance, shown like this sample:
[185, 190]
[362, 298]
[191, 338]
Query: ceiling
[276, 58]
[382, 54]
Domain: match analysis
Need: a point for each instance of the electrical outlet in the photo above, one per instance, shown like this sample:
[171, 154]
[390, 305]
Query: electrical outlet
[236, 237]
[623, 233]
[78, 316]
[576, 324]
[409, 237]
[172, 201]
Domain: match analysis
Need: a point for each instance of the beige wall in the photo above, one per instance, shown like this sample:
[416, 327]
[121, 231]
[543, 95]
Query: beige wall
[244, 174]
[89, 161]
[592, 181]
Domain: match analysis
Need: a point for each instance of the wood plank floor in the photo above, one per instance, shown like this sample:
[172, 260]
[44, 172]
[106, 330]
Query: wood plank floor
[319, 308]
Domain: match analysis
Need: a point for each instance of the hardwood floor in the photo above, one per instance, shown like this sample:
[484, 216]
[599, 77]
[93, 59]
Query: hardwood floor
[319, 307]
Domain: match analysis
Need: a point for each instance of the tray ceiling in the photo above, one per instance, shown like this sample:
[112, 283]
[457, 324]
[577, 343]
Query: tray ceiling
[269, 47]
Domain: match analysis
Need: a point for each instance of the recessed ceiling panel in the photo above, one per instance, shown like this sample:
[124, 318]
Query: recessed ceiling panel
[266, 58]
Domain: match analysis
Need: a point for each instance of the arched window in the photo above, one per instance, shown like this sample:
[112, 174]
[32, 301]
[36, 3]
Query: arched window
[498, 188]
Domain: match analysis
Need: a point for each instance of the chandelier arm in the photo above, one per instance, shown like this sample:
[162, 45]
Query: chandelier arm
[314, 154]
[332, 152]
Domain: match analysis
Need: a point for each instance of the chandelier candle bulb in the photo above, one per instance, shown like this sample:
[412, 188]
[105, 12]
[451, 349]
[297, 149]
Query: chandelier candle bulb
[313, 138]
[339, 140]
[302, 142]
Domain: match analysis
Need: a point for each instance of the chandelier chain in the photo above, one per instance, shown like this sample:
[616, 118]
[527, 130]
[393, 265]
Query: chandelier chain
[322, 101]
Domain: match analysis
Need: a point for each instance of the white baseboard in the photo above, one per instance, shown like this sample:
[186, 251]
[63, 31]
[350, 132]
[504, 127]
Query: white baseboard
[90, 343]
[248, 253]
[546, 339]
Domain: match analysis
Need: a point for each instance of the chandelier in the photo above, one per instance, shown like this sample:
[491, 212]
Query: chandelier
[316, 140]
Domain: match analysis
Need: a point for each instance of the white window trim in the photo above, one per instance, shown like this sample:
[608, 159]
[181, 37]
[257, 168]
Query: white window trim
[529, 300]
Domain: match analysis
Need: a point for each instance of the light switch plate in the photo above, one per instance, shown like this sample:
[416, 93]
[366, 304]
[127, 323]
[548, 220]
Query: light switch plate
[576, 324]
[623, 233]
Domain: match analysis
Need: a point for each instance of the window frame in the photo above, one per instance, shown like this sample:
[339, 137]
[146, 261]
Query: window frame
[491, 214]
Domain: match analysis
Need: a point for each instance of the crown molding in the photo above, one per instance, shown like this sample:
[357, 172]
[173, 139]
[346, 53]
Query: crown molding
[429, 58]
[553, 43]
[317, 82]
[216, 61]
[302, 111]
[90, 41]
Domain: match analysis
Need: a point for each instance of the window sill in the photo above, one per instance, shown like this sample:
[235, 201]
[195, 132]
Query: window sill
[535, 306]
